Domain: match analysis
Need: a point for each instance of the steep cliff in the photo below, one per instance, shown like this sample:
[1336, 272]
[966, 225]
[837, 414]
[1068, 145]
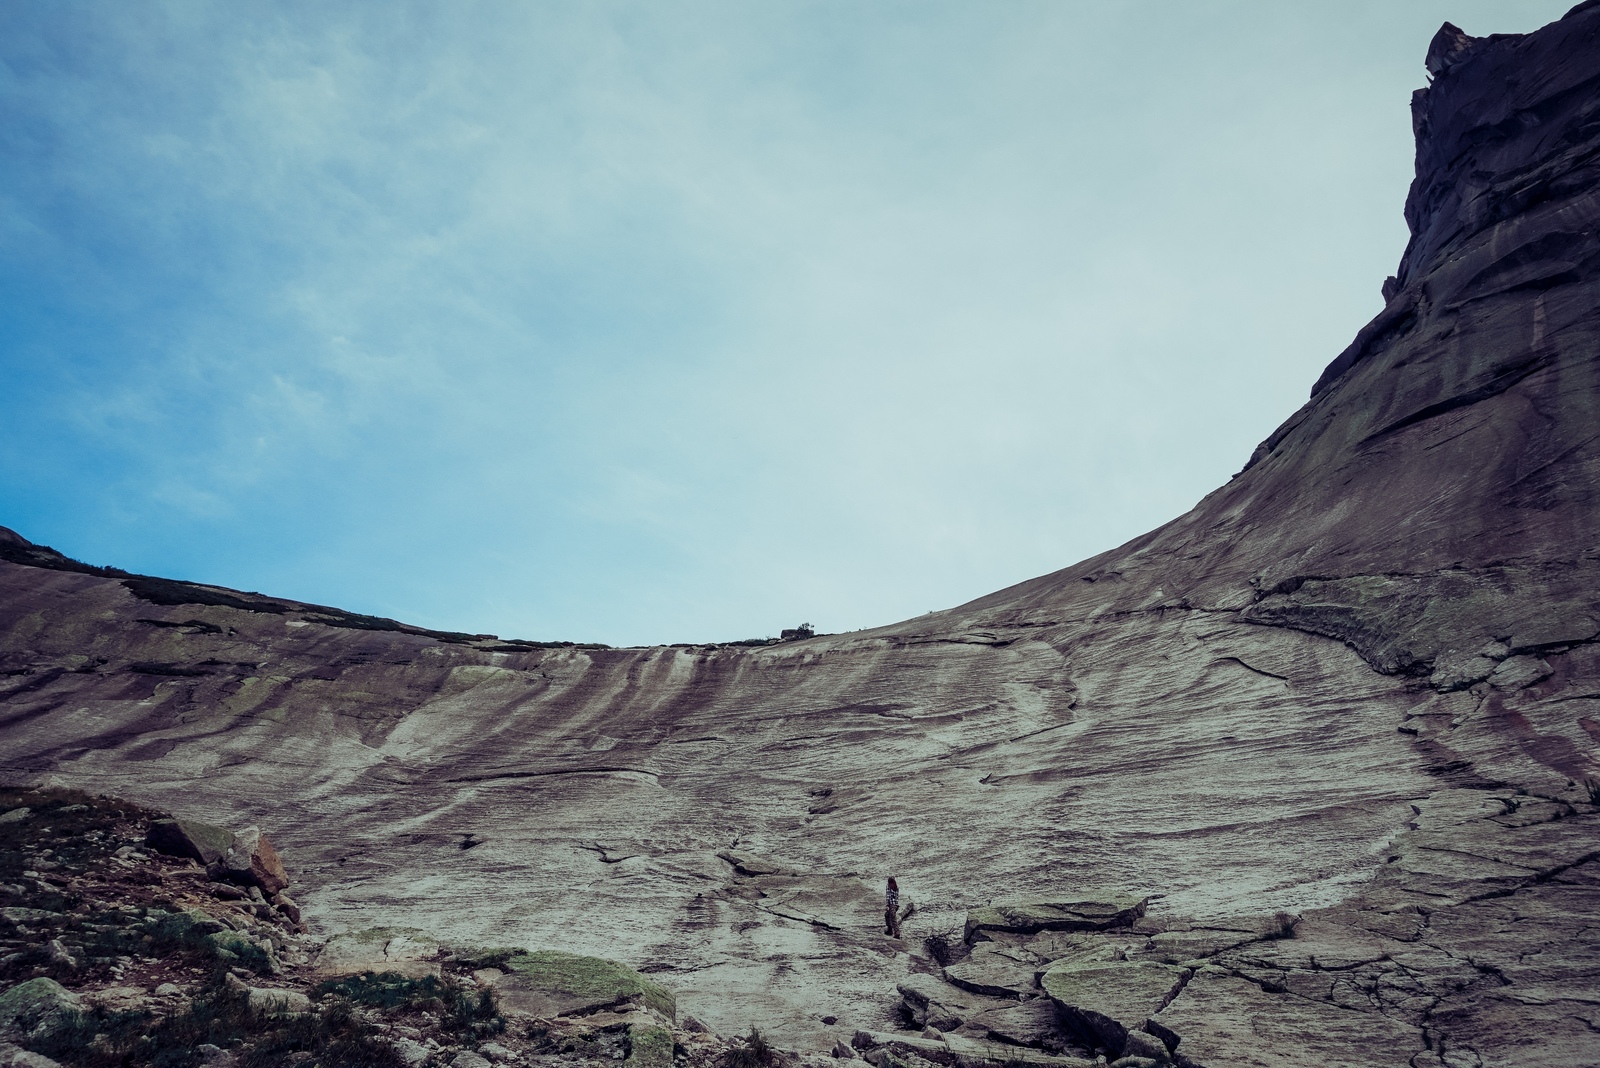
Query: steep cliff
[1359, 682]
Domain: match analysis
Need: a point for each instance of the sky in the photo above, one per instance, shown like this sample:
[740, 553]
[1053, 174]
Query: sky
[675, 321]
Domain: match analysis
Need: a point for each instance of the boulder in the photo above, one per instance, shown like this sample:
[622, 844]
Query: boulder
[1096, 913]
[412, 1054]
[550, 983]
[37, 1003]
[16, 1057]
[268, 1001]
[203, 842]
[251, 861]
[1106, 1000]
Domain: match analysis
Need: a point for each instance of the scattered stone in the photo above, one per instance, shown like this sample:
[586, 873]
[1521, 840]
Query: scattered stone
[18, 914]
[468, 1059]
[169, 990]
[496, 1052]
[286, 905]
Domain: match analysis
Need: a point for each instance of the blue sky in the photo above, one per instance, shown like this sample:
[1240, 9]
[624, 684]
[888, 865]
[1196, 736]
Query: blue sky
[682, 321]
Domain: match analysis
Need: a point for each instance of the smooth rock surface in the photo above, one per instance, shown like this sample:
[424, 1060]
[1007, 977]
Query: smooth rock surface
[1357, 683]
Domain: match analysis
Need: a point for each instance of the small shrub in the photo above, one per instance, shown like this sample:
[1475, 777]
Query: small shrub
[1283, 925]
[939, 947]
[755, 1053]
[1592, 787]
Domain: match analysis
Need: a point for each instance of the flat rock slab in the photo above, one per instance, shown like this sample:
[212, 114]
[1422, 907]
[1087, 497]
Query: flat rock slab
[997, 970]
[1221, 1021]
[1110, 999]
[932, 1002]
[966, 1052]
[1175, 947]
[1087, 914]
[405, 951]
[1028, 1023]
[549, 984]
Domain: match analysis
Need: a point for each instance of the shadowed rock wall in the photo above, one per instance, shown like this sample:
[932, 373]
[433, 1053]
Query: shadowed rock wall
[1328, 689]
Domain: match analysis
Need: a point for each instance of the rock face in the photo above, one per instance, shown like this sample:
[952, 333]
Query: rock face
[1357, 683]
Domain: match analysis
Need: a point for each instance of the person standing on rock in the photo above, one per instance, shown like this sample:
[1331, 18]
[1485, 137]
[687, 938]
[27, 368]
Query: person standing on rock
[891, 909]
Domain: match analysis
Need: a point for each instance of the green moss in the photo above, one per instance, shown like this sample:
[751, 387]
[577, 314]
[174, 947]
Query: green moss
[591, 977]
[474, 957]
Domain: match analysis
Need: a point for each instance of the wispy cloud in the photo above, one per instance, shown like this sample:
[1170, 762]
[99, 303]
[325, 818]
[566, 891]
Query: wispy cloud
[653, 322]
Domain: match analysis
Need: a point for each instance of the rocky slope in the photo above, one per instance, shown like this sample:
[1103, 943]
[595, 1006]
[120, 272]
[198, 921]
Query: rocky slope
[1359, 683]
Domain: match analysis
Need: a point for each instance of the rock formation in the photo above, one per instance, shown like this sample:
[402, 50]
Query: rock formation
[1359, 684]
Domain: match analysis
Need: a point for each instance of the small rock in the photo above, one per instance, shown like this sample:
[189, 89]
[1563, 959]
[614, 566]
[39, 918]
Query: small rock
[235, 984]
[863, 1040]
[694, 1026]
[843, 1052]
[468, 1059]
[16, 815]
[59, 955]
[286, 905]
[168, 990]
[496, 1052]
[413, 1053]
